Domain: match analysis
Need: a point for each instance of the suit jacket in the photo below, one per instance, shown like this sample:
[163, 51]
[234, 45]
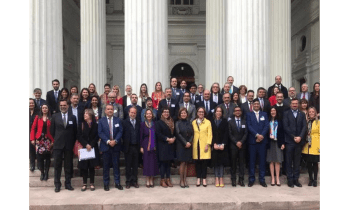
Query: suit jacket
[174, 108]
[80, 118]
[103, 133]
[125, 101]
[220, 100]
[232, 90]
[194, 99]
[226, 114]
[300, 96]
[245, 109]
[267, 105]
[235, 135]
[287, 101]
[51, 102]
[294, 127]
[176, 95]
[191, 111]
[283, 90]
[118, 111]
[212, 106]
[138, 114]
[130, 133]
[64, 137]
[41, 101]
[255, 127]
[37, 129]
[165, 150]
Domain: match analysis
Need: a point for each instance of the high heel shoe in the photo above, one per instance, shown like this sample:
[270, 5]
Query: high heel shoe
[204, 185]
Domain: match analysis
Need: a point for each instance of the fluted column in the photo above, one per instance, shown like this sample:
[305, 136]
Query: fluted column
[46, 44]
[146, 43]
[280, 41]
[215, 70]
[248, 42]
[93, 43]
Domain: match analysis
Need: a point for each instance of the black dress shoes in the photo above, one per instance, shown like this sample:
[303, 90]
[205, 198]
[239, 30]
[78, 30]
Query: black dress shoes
[106, 187]
[290, 184]
[127, 186]
[69, 187]
[311, 182]
[296, 183]
[233, 184]
[118, 186]
[241, 183]
[314, 183]
[263, 184]
[42, 176]
[250, 184]
[135, 185]
[31, 168]
[57, 189]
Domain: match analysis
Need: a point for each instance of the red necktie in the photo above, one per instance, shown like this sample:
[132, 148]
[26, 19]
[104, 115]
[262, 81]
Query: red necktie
[250, 106]
[169, 103]
[304, 96]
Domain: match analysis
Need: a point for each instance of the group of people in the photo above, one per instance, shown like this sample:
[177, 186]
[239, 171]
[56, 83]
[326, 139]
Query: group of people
[214, 128]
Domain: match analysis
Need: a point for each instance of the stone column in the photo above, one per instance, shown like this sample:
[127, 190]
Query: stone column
[93, 44]
[146, 43]
[46, 44]
[118, 67]
[248, 43]
[280, 41]
[215, 70]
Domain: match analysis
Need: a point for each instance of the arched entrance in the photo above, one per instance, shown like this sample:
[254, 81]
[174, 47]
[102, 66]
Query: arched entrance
[183, 71]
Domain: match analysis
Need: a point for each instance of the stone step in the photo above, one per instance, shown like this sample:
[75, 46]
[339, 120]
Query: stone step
[77, 181]
[75, 162]
[194, 198]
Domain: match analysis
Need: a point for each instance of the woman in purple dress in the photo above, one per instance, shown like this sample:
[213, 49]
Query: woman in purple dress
[148, 148]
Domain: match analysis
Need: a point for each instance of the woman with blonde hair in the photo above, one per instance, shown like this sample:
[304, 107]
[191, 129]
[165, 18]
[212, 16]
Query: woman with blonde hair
[157, 95]
[119, 99]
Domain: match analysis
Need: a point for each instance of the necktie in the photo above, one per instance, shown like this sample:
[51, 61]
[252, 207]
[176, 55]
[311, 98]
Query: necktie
[110, 128]
[304, 96]
[169, 103]
[257, 116]
[193, 98]
[238, 127]
[56, 96]
[250, 106]
[207, 107]
[262, 103]
[186, 106]
[38, 102]
[133, 123]
[227, 107]
[64, 120]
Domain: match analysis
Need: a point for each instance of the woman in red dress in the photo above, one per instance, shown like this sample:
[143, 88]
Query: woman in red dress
[272, 98]
[157, 95]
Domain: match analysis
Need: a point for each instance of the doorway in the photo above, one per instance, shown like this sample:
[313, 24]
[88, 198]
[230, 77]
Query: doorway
[183, 71]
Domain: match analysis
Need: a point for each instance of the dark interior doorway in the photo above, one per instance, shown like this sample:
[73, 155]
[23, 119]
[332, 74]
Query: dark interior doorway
[183, 71]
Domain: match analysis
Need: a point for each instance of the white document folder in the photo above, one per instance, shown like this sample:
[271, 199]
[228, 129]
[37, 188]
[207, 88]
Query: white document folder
[86, 155]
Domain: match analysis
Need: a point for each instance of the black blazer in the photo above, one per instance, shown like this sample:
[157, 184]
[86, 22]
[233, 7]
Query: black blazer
[283, 90]
[174, 108]
[267, 106]
[245, 109]
[165, 150]
[220, 100]
[235, 135]
[80, 114]
[212, 106]
[87, 135]
[220, 136]
[50, 100]
[280, 135]
[124, 100]
[130, 133]
[64, 137]
[294, 127]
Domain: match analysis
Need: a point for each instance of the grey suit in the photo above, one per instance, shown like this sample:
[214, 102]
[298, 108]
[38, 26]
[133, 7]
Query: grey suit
[191, 111]
[226, 114]
[118, 111]
[307, 96]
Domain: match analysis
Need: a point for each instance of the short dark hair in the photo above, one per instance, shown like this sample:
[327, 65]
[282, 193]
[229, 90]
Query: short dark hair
[63, 100]
[193, 85]
[250, 91]
[37, 89]
[55, 80]
[256, 100]
[294, 99]
[173, 78]
[260, 88]
[236, 108]
[107, 85]
[189, 95]
[148, 99]
[133, 107]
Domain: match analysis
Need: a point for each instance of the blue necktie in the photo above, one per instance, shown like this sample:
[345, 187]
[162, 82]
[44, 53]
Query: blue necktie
[238, 127]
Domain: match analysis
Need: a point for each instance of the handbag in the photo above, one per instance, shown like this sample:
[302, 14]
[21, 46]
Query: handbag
[191, 170]
[77, 145]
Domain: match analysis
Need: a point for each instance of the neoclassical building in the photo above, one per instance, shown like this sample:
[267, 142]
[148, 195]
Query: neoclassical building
[144, 41]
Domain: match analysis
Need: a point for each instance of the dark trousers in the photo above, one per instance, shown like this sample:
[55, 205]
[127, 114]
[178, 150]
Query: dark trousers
[293, 156]
[257, 150]
[131, 164]
[44, 161]
[201, 168]
[313, 170]
[109, 157]
[68, 162]
[235, 153]
[32, 154]
[164, 169]
[88, 173]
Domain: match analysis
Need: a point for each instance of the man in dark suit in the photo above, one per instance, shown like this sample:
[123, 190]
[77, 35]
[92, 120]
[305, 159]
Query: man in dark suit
[76, 110]
[37, 97]
[127, 97]
[264, 102]
[304, 94]
[215, 95]
[201, 92]
[258, 126]
[232, 88]
[208, 105]
[247, 106]
[238, 133]
[227, 107]
[291, 94]
[194, 98]
[294, 124]
[133, 104]
[110, 130]
[52, 97]
[280, 106]
[131, 144]
[64, 130]
[170, 103]
[183, 86]
[176, 93]
[278, 80]
[191, 109]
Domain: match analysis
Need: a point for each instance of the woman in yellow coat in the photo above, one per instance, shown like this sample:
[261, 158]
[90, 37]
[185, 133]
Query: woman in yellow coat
[311, 150]
[201, 145]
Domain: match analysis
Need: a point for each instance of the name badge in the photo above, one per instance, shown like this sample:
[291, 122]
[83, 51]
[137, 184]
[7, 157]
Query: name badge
[212, 110]
[116, 125]
[243, 126]
[197, 101]
[70, 123]
[228, 119]
[172, 105]
[262, 118]
[177, 93]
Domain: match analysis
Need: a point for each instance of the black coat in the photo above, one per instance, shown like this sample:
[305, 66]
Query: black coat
[88, 135]
[64, 137]
[184, 133]
[165, 151]
[130, 133]
[281, 109]
[294, 127]
[220, 136]
[50, 100]
[212, 106]
[235, 135]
